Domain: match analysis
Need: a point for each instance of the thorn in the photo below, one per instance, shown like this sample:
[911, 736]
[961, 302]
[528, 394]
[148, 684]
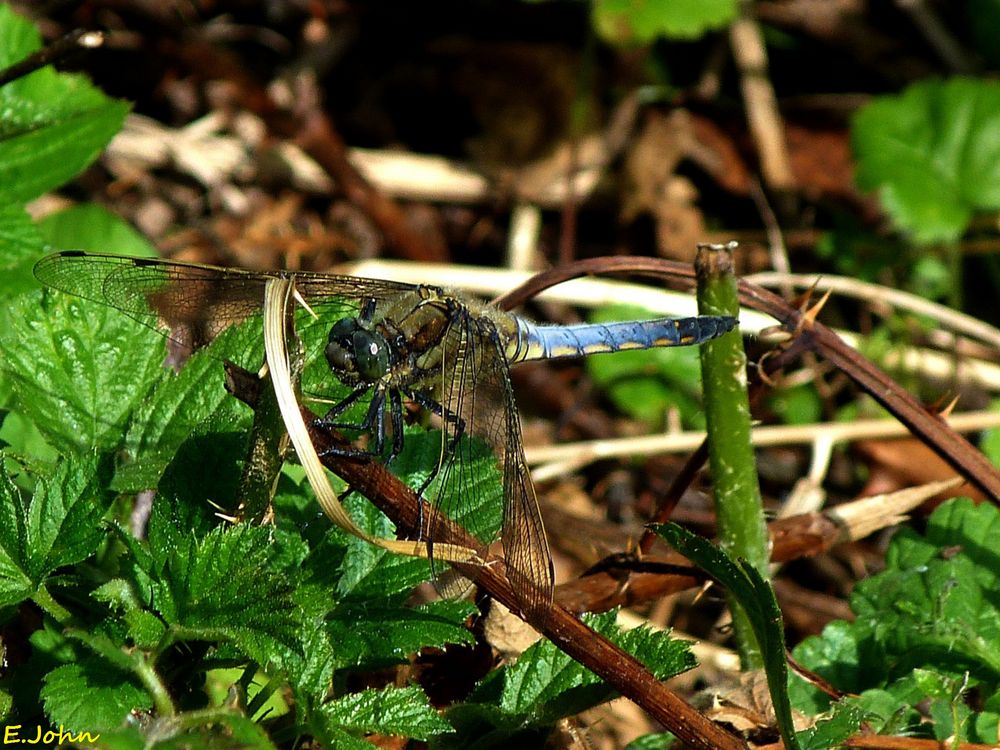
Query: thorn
[809, 316]
[949, 408]
[301, 300]
[803, 299]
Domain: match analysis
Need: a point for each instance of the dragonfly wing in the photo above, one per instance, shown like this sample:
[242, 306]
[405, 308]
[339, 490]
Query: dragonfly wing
[476, 389]
[195, 302]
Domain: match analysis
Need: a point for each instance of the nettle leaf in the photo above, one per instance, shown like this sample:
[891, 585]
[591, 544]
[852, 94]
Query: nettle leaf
[194, 407]
[93, 694]
[403, 712]
[933, 155]
[927, 623]
[225, 586]
[59, 526]
[374, 637]
[54, 124]
[368, 572]
[78, 370]
[831, 732]
[475, 486]
[626, 22]
[937, 609]
[645, 384]
[545, 685]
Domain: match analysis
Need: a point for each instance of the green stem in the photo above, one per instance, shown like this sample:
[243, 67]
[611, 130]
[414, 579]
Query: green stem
[739, 511]
[152, 682]
[43, 598]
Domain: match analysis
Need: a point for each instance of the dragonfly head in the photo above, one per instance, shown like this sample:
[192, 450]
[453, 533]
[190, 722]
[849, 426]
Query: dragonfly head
[356, 354]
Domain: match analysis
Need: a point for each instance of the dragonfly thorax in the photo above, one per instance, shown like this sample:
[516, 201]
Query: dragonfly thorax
[356, 354]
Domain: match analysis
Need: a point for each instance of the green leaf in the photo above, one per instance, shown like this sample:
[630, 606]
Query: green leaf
[190, 404]
[627, 22]
[78, 369]
[523, 700]
[371, 573]
[757, 598]
[94, 228]
[403, 712]
[925, 627]
[374, 637]
[545, 684]
[53, 124]
[111, 695]
[933, 155]
[20, 245]
[224, 587]
[476, 489]
[644, 384]
[845, 721]
[59, 526]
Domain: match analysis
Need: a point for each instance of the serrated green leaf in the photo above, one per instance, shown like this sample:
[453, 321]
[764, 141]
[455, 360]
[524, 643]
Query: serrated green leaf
[627, 22]
[477, 483]
[374, 637]
[368, 572]
[20, 245]
[145, 629]
[92, 694]
[936, 610]
[78, 370]
[91, 227]
[403, 712]
[757, 598]
[845, 721]
[226, 587]
[933, 155]
[191, 406]
[925, 625]
[59, 526]
[644, 384]
[545, 684]
[53, 124]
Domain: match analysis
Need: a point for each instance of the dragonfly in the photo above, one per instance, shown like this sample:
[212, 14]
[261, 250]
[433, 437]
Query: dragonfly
[388, 342]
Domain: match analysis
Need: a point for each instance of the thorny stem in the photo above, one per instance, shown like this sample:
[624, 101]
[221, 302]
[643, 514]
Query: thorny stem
[742, 531]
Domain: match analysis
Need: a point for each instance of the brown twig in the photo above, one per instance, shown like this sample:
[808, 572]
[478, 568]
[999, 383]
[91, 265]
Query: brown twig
[77, 40]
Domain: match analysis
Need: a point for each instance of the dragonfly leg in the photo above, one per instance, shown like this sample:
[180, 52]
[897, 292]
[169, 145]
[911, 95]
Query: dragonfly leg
[328, 423]
[396, 414]
[374, 421]
[327, 420]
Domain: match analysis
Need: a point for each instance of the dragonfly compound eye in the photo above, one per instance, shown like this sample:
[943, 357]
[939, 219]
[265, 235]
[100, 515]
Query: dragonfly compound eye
[340, 346]
[371, 355]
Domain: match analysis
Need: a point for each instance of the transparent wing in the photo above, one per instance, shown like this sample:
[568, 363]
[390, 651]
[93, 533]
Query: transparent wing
[194, 302]
[476, 389]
